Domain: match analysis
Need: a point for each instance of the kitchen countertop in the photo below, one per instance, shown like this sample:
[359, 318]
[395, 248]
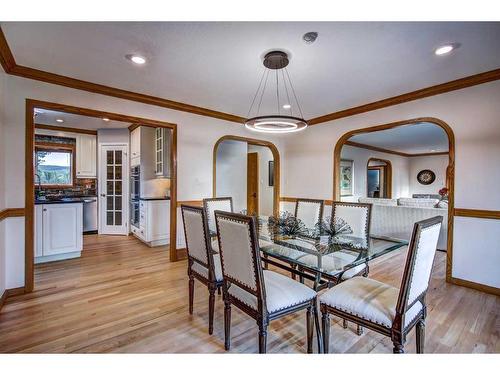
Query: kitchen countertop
[59, 201]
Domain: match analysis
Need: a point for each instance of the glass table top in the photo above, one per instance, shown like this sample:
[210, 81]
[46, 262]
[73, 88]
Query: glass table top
[330, 255]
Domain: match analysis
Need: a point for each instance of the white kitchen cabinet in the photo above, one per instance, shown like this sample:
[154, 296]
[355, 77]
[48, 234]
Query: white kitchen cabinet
[162, 152]
[154, 222]
[135, 147]
[58, 231]
[86, 151]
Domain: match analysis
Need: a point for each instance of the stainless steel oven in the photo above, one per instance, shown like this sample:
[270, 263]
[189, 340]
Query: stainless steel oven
[135, 182]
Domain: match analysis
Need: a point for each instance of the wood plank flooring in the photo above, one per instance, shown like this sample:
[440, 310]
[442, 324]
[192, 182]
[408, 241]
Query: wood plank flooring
[122, 296]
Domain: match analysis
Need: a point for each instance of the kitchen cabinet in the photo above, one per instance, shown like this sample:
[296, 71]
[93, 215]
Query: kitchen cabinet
[154, 222]
[86, 151]
[162, 155]
[58, 231]
[135, 147]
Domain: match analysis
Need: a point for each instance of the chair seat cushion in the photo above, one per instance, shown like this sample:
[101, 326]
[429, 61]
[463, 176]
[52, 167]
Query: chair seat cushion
[281, 292]
[368, 299]
[203, 271]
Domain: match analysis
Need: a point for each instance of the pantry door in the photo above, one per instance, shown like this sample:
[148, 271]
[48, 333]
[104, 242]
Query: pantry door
[113, 189]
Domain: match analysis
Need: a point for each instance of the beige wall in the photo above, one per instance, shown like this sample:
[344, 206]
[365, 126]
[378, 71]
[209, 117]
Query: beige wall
[196, 138]
[474, 115]
[437, 164]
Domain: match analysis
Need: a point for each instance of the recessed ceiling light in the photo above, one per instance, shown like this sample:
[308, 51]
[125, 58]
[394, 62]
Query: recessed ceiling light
[446, 49]
[433, 150]
[59, 120]
[287, 106]
[310, 37]
[136, 59]
[105, 119]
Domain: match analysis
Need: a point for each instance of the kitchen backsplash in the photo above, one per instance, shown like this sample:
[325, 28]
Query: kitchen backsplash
[83, 186]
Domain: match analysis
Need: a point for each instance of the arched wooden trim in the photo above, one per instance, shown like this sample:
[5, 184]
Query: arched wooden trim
[31, 104]
[255, 142]
[388, 177]
[450, 171]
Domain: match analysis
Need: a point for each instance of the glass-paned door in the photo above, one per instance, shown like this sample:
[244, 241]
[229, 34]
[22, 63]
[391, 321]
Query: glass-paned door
[113, 189]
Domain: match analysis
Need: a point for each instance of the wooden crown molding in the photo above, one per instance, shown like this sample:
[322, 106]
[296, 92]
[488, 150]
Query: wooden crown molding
[9, 65]
[399, 153]
[65, 129]
[442, 88]
[11, 212]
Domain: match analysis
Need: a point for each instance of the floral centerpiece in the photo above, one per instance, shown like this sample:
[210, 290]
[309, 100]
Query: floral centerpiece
[444, 194]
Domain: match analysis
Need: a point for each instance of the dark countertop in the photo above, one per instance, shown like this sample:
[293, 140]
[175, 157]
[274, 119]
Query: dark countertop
[59, 201]
[155, 199]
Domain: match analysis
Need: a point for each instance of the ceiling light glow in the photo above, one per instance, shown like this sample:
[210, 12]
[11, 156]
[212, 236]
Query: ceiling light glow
[443, 50]
[105, 119]
[59, 120]
[287, 106]
[136, 59]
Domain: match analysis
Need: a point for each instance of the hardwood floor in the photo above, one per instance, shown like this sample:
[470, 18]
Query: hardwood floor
[122, 296]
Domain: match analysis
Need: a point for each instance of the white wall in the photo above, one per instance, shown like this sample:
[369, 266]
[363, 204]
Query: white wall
[231, 172]
[265, 191]
[196, 138]
[474, 115]
[360, 156]
[437, 164]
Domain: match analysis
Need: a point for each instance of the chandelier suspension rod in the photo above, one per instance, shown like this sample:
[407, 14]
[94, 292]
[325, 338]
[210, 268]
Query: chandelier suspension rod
[278, 93]
[263, 91]
[257, 92]
[286, 91]
[293, 91]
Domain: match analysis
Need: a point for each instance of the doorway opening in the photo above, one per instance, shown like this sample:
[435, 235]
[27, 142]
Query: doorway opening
[79, 184]
[379, 178]
[248, 171]
[421, 152]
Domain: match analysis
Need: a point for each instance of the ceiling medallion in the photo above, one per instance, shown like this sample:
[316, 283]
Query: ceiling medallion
[281, 121]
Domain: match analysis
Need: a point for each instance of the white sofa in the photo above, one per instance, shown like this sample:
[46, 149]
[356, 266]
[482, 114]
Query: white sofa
[398, 221]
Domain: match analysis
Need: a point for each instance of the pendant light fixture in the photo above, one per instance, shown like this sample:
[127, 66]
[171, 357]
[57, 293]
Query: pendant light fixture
[288, 116]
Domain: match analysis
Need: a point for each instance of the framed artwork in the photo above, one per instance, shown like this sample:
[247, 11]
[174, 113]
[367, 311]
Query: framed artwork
[426, 177]
[346, 177]
[271, 173]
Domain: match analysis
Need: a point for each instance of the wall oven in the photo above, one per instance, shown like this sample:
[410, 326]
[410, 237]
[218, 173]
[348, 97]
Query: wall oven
[135, 213]
[135, 182]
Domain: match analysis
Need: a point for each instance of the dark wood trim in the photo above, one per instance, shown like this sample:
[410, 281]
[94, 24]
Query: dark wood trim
[387, 175]
[65, 129]
[481, 214]
[133, 127]
[15, 292]
[442, 88]
[255, 142]
[477, 286]
[3, 297]
[11, 212]
[387, 151]
[6, 58]
[31, 104]
[450, 171]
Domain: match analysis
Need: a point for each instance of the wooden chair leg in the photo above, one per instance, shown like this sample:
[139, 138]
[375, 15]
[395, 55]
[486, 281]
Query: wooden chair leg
[227, 326]
[325, 320]
[344, 324]
[211, 306]
[398, 348]
[294, 276]
[191, 294]
[359, 330]
[420, 334]
[319, 336]
[266, 265]
[301, 278]
[309, 325]
[219, 291]
[262, 338]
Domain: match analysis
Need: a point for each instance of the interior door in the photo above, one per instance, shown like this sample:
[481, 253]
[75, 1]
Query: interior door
[113, 189]
[253, 183]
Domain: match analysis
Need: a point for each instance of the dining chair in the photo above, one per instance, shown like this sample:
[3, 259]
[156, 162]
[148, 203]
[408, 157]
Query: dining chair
[309, 211]
[203, 262]
[383, 308]
[212, 204]
[262, 294]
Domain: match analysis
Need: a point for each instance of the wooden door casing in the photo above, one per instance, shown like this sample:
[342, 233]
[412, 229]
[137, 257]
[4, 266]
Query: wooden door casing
[253, 183]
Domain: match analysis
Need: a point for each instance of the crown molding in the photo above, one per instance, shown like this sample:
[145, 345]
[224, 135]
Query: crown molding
[442, 88]
[9, 65]
[380, 149]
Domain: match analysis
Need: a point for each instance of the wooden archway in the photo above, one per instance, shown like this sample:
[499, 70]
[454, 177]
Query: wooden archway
[450, 171]
[256, 142]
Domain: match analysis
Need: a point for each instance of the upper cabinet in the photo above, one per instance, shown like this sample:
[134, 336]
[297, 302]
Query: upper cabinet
[162, 156]
[86, 151]
[135, 147]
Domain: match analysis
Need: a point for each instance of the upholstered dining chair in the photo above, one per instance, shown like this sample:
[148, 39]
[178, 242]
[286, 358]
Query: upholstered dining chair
[212, 204]
[262, 294]
[383, 308]
[203, 262]
[309, 211]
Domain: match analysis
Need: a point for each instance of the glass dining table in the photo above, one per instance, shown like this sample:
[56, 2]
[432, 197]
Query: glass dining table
[320, 258]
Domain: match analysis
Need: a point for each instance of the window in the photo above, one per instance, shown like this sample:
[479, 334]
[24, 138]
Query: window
[54, 166]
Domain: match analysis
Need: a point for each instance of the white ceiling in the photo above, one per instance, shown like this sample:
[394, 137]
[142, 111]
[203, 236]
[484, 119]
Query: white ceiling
[47, 117]
[411, 139]
[218, 64]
